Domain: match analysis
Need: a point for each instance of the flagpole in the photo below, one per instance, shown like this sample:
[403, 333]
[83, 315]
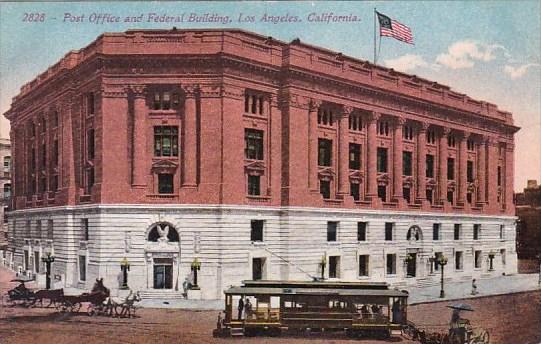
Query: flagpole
[374, 35]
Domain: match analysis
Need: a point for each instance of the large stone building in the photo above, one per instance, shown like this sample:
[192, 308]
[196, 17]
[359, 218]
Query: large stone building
[5, 194]
[528, 205]
[258, 158]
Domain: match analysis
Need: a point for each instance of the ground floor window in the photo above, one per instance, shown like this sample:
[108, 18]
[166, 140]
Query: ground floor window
[82, 268]
[363, 265]
[477, 259]
[458, 260]
[258, 268]
[334, 266]
[391, 264]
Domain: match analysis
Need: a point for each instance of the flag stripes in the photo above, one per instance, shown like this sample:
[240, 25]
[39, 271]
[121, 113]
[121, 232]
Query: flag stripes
[393, 28]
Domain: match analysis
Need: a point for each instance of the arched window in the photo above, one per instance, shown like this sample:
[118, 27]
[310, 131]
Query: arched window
[163, 232]
[414, 233]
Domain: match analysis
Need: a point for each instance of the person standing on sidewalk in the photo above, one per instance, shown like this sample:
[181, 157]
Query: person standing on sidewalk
[241, 307]
[474, 287]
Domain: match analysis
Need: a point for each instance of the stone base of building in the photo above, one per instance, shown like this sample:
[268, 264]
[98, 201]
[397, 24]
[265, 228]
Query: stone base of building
[89, 242]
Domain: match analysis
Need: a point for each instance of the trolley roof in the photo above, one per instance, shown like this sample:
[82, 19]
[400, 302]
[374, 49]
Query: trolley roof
[315, 284]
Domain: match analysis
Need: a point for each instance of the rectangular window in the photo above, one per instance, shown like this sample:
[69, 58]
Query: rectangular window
[90, 103]
[456, 232]
[361, 231]
[253, 143]
[354, 156]
[499, 176]
[391, 264]
[407, 165]
[54, 182]
[458, 260]
[165, 183]
[82, 268]
[254, 187]
[363, 265]
[382, 160]
[476, 231]
[165, 141]
[55, 152]
[429, 166]
[258, 268]
[469, 171]
[325, 152]
[382, 193]
[450, 196]
[325, 188]
[253, 103]
[477, 259]
[436, 228]
[502, 232]
[332, 227]
[355, 191]
[27, 228]
[90, 148]
[406, 191]
[334, 266]
[389, 231]
[43, 156]
[90, 178]
[85, 229]
[430, 196]
[450, 169]
[256, 232]
[50, 229]
[165, 100]
[469, 197]
[38, 229]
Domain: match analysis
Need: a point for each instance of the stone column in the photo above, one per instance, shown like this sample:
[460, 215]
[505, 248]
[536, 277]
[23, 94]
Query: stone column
[463, 168]
[397, 159]
[343, 152]
[509, 177]
[372, 174]
[189, 135]
[442, 168]
[313, 145]
[421, 162]
[492, 169]
[481, 171]
[140, 113]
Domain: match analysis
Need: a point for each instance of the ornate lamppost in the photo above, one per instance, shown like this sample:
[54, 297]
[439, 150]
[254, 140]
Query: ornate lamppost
[441, 260]
[124, 267]
[48, 260]
[323, 263]
[196, 266]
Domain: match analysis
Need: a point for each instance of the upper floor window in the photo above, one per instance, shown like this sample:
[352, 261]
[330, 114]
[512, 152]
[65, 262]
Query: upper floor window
[470, 145]
[43, 156]
[431, 136]
[361, 231]
[253, 103]
[325, 188]
[382, 159]
[332, 227]
[450, 169]
[90, 147]
[383, 128]
[324, 152]
[32, 129]
[436, 231]
[325, 116]
[354, 156]
[502, 232]
[55, 119]
[457, 231]
[253, 140]
[451, 141]
[165, 141]
[7, 191]
[469, 170]
[165, 100]
[355, 191]
[476, 231]
[50, 229]
[55, 153]
[42, 125]
[254, 185]
[7, 163]
[430, 166]
[256, 230]
[389, 231]
[165, 183]
[407, 163]
[90, 104]
[85, 229]
[355, 122]
[408, 133]
[499, 176]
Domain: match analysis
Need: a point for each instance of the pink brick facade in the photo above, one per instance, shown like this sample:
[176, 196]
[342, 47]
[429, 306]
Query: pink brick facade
[211, 72]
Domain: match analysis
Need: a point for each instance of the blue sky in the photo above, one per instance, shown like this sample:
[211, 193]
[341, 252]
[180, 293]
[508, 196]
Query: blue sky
[487, 49]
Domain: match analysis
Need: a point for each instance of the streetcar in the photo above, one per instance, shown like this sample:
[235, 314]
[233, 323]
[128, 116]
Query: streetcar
[274, 307]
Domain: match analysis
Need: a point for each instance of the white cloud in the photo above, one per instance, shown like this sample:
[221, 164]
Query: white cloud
[463, 54]
[520, 71]
[406, 62]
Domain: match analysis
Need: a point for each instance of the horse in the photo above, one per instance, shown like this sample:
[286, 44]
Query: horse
[127, 307]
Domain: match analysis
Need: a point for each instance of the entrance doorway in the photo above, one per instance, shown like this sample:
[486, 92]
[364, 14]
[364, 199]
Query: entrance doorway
[411, 264]
[163, 273]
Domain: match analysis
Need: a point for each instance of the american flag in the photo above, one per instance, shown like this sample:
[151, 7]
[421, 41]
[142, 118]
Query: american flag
[391, 28]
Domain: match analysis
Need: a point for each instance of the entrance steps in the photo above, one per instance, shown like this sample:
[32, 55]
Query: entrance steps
[427, 282]
[161, 294]
[237, 331]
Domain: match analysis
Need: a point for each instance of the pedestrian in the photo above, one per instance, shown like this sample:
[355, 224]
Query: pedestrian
[473, 287]
[241, 307]
[248, 309]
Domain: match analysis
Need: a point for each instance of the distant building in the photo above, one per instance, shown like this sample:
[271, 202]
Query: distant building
[5, 192]
[258, 159]
[528, 205]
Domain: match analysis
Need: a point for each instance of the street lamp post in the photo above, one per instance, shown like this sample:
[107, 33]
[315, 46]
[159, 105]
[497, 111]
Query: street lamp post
[124, 267]
[323, 263]
[48, 260]
[196, 266]
[441, 261]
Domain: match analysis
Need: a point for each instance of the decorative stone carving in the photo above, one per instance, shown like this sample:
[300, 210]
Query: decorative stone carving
[163, 231]
[254, 168]
[326, 174]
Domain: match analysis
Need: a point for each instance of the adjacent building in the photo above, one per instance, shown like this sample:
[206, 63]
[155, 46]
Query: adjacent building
[528, 205]
[257, 158]
[5, 189]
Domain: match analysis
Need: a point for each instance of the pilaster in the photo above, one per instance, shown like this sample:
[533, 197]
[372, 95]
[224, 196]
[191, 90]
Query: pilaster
[398, 163]
[442, 166]
[139, 135]
[190, 137]
[343, 153]
[372, 174]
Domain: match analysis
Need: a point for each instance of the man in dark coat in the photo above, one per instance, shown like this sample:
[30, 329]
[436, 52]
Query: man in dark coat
[241, 307]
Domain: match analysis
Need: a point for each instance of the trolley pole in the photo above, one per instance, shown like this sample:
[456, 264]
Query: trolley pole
[48, 260]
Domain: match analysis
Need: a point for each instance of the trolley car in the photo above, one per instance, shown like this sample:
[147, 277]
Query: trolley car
[360, 309]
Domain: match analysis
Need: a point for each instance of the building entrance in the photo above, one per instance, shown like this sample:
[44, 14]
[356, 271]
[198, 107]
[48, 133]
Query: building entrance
[163, 273]
[411, 264]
